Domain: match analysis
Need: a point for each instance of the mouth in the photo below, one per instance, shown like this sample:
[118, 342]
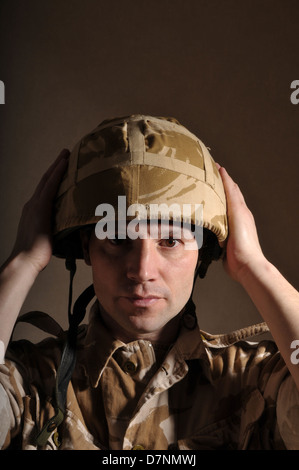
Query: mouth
[142, 301]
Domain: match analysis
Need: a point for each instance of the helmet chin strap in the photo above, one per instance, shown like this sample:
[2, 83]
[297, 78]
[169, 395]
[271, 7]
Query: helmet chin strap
[210, 253]
[68, 359]
[80, 305]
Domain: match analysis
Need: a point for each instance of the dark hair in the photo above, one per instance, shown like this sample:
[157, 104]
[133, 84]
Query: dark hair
[209, 252]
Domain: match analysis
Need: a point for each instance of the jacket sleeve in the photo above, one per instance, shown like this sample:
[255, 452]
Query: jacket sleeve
[287, 410]
[11, 402]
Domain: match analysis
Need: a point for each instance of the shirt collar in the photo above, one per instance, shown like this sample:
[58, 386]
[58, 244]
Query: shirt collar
[99, 346]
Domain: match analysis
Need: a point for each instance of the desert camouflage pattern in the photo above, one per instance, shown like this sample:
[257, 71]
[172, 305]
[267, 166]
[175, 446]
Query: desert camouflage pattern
[207, 392]
[148, 160]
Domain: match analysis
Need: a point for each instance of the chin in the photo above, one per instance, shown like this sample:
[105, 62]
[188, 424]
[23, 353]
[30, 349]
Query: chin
[149, 328]
[142, 325]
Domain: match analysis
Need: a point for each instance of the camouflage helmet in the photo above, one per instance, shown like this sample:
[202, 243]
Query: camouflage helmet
[149, 160]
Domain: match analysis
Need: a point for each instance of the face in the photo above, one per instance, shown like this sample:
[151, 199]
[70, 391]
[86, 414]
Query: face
[142, 284]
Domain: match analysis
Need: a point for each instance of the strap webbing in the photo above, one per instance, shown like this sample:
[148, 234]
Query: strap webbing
[68, 359]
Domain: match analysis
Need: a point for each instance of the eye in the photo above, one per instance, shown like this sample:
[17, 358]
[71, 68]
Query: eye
[169, 242]
[116, 241]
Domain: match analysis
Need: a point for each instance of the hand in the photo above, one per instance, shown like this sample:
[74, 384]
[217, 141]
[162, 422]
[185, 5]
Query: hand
[34, 236]
[243, 250]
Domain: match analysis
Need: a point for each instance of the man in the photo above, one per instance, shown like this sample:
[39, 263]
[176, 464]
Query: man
[145, 376]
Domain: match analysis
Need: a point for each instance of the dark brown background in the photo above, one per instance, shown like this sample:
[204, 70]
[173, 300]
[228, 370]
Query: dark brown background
[222, 67]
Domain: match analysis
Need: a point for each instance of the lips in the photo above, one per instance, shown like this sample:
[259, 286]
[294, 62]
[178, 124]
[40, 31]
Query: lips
[142, 301]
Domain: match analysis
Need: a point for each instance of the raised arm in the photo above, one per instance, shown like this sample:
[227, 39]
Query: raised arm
[274, 297]
[32, 250]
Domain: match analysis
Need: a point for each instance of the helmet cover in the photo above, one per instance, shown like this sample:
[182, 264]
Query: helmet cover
[149, 160]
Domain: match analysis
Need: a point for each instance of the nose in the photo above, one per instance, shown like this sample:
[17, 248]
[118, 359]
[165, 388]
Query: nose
[142, 262]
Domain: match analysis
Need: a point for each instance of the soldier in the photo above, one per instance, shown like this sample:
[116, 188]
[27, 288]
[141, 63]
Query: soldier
[141, 374]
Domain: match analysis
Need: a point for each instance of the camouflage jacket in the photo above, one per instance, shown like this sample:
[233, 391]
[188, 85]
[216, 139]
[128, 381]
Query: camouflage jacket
[204, 392]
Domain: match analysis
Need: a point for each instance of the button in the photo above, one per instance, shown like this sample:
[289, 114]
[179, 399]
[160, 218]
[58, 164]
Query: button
[130, 367]
[138, 447]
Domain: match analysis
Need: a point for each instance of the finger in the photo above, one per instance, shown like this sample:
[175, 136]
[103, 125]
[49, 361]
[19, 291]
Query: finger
[62, 157]
[53, 181]
[232, 190]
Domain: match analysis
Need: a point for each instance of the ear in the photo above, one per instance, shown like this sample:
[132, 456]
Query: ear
[85, 239]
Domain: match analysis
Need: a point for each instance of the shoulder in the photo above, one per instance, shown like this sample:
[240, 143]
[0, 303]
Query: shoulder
[38, 362]
[241, 355]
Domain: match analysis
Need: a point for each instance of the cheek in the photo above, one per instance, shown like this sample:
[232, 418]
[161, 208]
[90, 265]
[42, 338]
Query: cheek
[104, 285]
[182, 275]
[103, 272]
[187, 264]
